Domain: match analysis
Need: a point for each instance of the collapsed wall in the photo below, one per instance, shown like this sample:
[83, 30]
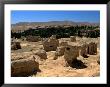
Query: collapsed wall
[24, 67]
[92, 48]
[63, 43]
[53, 37]
[50, 44]
[71, 53]
[23, 38]
[15, 45]
[83, 50]
[72, 38]
[41, 53]
[33, 38]
[60, 51]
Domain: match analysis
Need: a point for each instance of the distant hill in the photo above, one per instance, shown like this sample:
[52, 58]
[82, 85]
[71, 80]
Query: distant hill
[55, 23]
[26, 25]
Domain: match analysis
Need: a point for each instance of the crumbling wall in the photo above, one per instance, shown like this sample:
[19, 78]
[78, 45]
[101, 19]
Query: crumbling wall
[63, 43]
[92, 48]
[60, 51]
[71, 53]
[53, 37]
[33, 38]
[50, 44]
[83, 50]
[41, 53]
[72, 38]
[15, 45]
[95, 48]
[23, 38]
[24, 67]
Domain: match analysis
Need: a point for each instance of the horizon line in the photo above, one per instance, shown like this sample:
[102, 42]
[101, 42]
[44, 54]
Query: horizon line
[55, 21]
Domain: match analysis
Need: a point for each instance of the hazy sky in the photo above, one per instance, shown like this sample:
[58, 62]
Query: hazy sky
[44, 16]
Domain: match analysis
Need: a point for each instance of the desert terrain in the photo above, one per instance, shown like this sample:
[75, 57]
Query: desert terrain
[50, 66]
[55, 49]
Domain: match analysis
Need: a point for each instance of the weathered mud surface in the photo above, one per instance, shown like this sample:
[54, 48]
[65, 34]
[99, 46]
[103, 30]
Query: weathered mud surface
[50, 67]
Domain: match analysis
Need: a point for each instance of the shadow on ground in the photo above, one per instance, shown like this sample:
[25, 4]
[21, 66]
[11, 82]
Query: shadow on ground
[78, 64]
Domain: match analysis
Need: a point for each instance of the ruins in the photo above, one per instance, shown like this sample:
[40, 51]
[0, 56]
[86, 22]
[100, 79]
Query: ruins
[60, 50]
[72, 38]
[24, 67]
[33, 38]
[71, 53]
[55, 48]
[63, 43]
[83, 50]
[92, 48]
[15, 45]
[50, 44]
[54, 51]
[41, 53]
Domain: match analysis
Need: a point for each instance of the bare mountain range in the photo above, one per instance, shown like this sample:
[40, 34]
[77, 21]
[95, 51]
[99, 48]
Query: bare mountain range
[27, 25]
[55, 23]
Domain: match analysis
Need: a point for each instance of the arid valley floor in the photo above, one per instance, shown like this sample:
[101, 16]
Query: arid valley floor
[50, 67]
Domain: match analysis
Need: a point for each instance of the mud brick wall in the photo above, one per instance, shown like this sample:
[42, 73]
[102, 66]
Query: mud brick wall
[33, 38]
[71, 53]
[24, 67]
[92, 48]
[83, 51]
[15, 45]
[72, 38]
[41, 53]
[50, 44]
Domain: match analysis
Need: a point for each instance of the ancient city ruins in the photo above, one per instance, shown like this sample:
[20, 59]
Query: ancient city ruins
[56, 56]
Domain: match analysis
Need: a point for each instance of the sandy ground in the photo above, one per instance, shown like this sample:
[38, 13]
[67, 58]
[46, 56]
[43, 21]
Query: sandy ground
[57, 68]
[86, 67]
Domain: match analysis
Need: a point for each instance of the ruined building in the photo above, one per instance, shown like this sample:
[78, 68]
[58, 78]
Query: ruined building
[92, 48]
[72, 38]
[33, 38]
[71, 53]
[50, 44]
[15, 45]
[24, 67]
